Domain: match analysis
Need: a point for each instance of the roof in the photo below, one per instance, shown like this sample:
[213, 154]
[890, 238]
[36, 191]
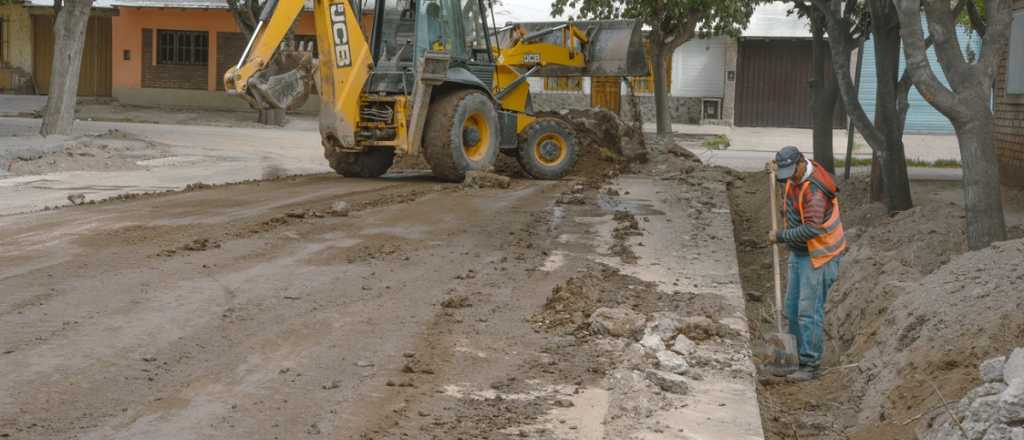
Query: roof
[772, 20]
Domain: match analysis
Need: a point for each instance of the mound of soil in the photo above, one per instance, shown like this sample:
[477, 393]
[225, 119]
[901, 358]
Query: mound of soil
[910, 310]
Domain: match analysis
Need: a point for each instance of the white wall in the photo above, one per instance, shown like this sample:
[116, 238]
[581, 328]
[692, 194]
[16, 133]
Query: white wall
[698, 69]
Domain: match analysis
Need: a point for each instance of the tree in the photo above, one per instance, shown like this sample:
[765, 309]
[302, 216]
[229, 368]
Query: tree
[824, 88]
[967, 102]
[69, 41]
[672, 23]
[847, 24]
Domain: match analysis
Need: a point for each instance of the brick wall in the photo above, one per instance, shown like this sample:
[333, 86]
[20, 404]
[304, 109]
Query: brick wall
[169, 76]
[229, 48]
[1008, 130]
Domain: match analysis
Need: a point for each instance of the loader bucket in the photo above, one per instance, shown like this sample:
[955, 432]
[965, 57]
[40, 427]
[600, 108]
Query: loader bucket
[616, 47]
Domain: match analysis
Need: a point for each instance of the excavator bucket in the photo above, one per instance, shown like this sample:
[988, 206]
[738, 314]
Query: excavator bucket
[615, 47]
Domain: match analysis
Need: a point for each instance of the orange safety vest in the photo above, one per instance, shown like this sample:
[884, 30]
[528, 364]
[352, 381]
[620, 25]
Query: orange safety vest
[832, 243]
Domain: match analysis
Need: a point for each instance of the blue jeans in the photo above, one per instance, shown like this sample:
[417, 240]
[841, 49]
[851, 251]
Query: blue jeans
[805, 305]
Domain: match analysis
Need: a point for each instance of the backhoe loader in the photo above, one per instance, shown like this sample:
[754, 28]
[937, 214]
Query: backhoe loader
[432, 78]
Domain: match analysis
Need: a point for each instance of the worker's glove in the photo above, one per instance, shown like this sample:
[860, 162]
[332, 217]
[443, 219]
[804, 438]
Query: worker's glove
[773, 236]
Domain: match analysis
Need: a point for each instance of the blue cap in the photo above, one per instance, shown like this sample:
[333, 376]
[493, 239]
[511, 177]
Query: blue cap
[786, 159]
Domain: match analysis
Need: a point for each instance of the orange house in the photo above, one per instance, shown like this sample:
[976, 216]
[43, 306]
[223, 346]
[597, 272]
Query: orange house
[175, 52]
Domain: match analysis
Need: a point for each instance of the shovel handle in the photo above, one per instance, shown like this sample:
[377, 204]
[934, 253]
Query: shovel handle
[775, 249]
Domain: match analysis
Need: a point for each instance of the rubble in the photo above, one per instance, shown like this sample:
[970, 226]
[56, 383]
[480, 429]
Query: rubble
[341, 208]
[668, 382]
[483, 179]
[991, 411]
[671, 362]
[683, 345]
[1013, 369]
[619, 322]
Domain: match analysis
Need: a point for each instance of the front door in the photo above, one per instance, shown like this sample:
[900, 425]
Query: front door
[606, 92]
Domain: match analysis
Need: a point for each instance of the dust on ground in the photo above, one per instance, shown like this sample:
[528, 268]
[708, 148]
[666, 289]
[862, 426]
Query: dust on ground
[114, 150]
[912, 311]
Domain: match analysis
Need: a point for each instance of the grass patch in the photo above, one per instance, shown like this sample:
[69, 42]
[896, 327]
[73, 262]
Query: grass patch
[717, 142]
[911, 163]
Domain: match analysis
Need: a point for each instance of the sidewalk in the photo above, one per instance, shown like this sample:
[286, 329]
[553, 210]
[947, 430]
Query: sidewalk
[926, 147]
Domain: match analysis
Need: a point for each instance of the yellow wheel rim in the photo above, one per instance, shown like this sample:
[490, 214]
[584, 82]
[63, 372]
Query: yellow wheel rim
[550, 149]
[476, 136]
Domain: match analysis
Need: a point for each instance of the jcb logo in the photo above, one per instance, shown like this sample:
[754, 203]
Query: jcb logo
[342, 53]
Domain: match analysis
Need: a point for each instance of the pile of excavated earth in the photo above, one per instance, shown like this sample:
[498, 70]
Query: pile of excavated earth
[908, 322]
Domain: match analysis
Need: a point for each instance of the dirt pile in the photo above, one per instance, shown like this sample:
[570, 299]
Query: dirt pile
[911, 312]
[112, 150]
[607, 144]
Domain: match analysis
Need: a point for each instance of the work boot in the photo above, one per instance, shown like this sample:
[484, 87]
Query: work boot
[804, 374]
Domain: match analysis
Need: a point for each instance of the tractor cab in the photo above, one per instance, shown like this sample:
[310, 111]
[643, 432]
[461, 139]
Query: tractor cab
[405, 30]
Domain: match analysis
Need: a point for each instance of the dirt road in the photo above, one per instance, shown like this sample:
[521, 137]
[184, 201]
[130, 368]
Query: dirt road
[254, 311]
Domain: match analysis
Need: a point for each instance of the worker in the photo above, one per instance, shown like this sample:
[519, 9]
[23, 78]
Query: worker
[813, 231]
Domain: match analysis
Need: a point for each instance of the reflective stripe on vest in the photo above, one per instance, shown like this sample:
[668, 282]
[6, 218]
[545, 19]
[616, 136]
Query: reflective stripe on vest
[829, 244]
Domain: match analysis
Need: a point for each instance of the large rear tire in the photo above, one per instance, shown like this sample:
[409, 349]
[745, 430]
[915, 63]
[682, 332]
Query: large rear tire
[461, 135]
[547, 150]
[373, 162]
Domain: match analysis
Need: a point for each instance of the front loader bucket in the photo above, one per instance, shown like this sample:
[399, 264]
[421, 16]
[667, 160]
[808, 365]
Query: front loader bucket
[616, 47]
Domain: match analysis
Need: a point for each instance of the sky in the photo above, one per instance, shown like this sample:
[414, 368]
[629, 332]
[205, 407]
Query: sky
[523, 10]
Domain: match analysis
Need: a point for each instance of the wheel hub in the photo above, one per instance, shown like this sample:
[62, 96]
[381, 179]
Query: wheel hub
[549, 150]
[470, 136]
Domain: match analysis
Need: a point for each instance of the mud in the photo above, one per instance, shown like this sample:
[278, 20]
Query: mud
[912, 312]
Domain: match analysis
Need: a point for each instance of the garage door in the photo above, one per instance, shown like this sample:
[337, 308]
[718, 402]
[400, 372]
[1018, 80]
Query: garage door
[95, 76]
[772, 84]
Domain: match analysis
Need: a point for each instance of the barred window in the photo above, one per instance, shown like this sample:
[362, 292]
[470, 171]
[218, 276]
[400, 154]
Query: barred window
[563, 84]
[182, 47]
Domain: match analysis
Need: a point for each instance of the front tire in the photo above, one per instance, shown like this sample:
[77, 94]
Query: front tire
[461, 135]
[547, 150]
[373, 162]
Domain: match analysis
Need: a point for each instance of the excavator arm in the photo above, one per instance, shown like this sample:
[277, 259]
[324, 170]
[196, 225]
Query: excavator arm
[344, 59]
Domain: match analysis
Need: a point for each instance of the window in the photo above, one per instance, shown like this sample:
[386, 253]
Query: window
[1015, 57]
[180, 47]
[563, 84]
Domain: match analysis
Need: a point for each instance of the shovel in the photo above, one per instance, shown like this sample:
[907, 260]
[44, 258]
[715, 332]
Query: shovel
[782, 357]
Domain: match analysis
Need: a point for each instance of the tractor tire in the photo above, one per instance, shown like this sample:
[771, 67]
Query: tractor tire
[547, 150]
[461, 135]
[373, 162]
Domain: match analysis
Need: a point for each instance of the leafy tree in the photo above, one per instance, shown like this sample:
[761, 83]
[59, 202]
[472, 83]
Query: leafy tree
[672, 23]
[967, 102]
[848, 23]
[69, 43]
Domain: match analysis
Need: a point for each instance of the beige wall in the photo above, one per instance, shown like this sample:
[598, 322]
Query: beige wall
[17, 38]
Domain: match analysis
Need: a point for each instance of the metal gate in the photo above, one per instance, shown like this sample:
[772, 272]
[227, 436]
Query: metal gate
[773, 84]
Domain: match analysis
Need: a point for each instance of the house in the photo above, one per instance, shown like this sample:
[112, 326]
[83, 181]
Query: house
[1008, 130]
[26, 48]
[758, 79]
[145, 52]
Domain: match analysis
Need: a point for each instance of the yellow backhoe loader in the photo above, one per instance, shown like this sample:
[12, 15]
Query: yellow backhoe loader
[433, 78]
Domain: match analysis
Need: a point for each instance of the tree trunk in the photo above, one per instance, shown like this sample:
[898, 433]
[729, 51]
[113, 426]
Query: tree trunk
[824, 95]
[69, 41]
[658, 65]
[892, 158]
[982, 196]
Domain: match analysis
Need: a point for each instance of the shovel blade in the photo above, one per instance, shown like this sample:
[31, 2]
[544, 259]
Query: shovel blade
[781, 357]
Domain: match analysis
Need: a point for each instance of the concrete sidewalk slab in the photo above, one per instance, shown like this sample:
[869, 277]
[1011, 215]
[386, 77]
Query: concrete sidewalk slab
[752, 160]
[926, 147]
